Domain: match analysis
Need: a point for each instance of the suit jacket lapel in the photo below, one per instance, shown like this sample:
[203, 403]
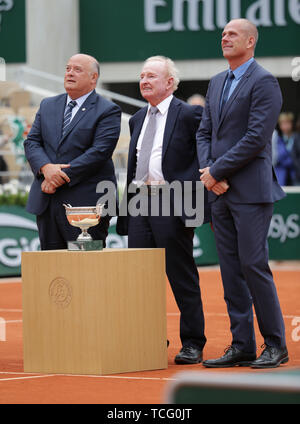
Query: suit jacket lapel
[83, 110]
[236, 91]
[218, 97]
[173, 111]
[137, 128]
[59, 116]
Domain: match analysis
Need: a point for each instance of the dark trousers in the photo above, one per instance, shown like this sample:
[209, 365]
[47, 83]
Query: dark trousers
[170, 233]
[3, 168]
[241, 232]
[55, 230]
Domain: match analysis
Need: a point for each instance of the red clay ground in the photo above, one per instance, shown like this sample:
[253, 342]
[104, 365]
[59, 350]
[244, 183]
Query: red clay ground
[142, 387]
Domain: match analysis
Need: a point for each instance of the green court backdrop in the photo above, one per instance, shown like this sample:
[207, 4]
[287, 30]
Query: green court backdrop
[13, 31]
[18, 232]
[125, 31]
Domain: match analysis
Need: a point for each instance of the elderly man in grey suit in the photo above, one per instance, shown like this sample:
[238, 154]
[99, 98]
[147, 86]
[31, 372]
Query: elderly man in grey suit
[234, 146]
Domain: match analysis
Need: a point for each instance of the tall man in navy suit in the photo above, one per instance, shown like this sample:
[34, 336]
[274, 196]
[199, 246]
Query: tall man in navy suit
[164, 134]
[69, 149]
[234, 143]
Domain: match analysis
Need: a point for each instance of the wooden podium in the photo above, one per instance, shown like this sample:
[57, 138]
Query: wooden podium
[94, 312]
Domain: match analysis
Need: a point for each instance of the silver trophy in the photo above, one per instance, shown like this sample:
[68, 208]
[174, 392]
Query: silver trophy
[84, 217]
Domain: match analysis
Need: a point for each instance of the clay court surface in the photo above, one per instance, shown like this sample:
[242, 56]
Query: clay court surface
[142, 387]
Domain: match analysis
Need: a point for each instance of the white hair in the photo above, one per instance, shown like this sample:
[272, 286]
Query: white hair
[171, 68]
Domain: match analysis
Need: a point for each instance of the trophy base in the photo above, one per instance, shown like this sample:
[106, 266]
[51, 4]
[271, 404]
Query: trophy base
[85, 245]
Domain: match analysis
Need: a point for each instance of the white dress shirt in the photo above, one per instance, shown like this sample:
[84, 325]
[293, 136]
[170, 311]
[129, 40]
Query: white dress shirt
[155, 164]
[79, 102]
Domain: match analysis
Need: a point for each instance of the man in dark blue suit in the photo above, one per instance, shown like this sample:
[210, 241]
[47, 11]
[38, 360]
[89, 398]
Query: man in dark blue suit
[163, 139]
[69, 149]
[234, 143]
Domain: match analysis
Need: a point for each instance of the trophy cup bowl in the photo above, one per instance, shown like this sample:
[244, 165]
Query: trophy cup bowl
[84, 217]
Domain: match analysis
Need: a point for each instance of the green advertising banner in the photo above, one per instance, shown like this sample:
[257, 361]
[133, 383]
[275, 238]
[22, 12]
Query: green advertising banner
[284, 232]
[18, 232]
[118, 30]
[12, 31]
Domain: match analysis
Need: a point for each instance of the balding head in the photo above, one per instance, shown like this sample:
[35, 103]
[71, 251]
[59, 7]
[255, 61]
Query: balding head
[82, 73]
[248, 27]
[239, 39]
[90, 62]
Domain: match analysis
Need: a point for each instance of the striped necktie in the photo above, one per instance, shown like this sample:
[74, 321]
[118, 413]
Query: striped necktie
[68, 116]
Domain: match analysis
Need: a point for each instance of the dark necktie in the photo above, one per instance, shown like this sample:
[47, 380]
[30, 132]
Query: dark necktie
[68, 116]
[229, 81]
[142, 169]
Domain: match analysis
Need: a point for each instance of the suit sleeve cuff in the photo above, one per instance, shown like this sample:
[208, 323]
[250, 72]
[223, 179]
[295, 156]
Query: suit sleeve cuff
[214, 173]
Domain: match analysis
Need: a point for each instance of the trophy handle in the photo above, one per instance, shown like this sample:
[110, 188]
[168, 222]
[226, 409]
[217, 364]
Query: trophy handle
[99, 209]
[82, 221]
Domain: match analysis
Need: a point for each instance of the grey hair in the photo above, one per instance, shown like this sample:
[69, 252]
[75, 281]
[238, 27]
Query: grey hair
[96, 67]
[171, 68]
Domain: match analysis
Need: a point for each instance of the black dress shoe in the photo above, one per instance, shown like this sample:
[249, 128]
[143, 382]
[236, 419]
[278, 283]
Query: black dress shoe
[233, 357]
[189, 355]
[271, 357]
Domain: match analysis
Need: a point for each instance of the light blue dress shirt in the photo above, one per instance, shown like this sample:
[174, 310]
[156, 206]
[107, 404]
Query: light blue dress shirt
[238, 73]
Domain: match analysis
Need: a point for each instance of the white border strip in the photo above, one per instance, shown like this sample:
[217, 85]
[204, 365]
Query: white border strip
[25, 378]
